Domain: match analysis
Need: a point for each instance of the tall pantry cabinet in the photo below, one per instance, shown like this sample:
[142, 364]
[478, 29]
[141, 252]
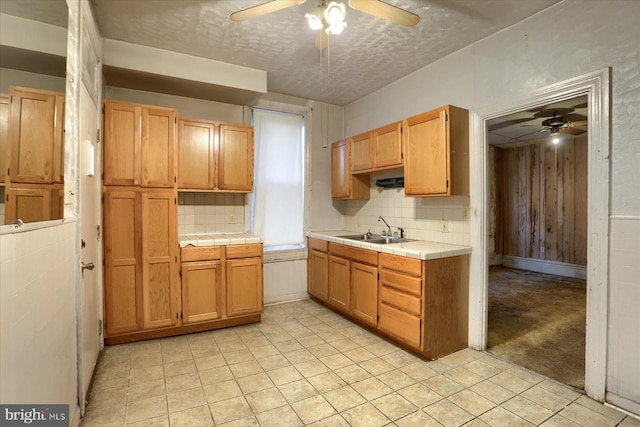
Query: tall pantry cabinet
[140, 218]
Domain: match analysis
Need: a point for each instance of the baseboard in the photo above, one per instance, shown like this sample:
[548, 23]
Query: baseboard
[281, 299]
[549, 267]
[621, 403]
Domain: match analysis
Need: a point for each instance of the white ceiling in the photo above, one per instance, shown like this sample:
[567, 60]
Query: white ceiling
[370, 54]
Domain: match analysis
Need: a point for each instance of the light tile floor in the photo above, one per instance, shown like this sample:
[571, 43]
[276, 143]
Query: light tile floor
[305, 365]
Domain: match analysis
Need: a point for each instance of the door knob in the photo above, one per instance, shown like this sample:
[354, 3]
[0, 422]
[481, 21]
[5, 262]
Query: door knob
[87, 266]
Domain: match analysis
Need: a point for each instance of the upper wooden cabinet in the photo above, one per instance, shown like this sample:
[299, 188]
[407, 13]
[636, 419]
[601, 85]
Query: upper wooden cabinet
[437, 153]
[379, 149]
[5, 113]
[33, 202]
[215, 156]
[344, 185]
[139, 145]
[35, 133]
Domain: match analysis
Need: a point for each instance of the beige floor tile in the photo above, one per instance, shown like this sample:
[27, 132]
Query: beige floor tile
[230, 410]
[344, 344]
[210, 350]
[326, 382]
[117, 352]
[311, 341]
[301, 333]
[215, 375]
[371, 388]
[238, 356]
[559, 421]
[322, 350]
[254, 383]
[472, 402]
[396, 379]
[186, 399]
[420, 395]
[146, 408]
[511, 382]
[344, 398]
[298, 390]
[199, 416]
[419, 371]
[265, 400]
[394, 406]
[287, 346]
[263, 351]
[146, 389]
[313, 409]
[331, 336]
[476, 422]
[114, 396]
[147, 374]
[182, 382]
[336, 361]
[381, 348]
[463, 376]
[586, 416]
[494, 361]
[283, 416]
[222, 391]
[352, 374]
[210, 362]
[231, 346]
[608, 412]
[365, 415]
[161, 421]
[311, 368]
[116, 365]
[448, 413]
[441, 366]
[400, 358]
[417, 419]
[526, 375]
[499, 417]
[463, 357]
[492, 391]
[630, 422]
[177, 356]
[366, 339]
[255, 341]
[245, 369]
[106, 416]
[376, 366]
[559, 389]
[485, 370]
[179, 368]
[359, 354]
[274, 362]
[332, 421]
[284, 375]
[145, 360]
[545, 398]
[242, 422]
[299, 356]
[527, 409]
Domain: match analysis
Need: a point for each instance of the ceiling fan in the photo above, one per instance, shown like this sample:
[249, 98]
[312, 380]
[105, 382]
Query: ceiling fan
[329, 15]
[559, 124]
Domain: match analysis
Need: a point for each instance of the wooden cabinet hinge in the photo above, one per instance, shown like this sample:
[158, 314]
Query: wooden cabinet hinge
[180, 315]
[175, 200]
[446, 117]
[447, 183]
[176, 258]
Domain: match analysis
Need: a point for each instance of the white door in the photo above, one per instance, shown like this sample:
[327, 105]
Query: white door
[89, 338]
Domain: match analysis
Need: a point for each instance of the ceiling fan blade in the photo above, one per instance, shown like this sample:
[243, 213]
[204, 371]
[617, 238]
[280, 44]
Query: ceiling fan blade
[579, 123]
[322, 40]
[572, 131]
[386, 11]
[263, 9]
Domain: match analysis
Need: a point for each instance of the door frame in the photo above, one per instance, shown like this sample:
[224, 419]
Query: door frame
[597, 87]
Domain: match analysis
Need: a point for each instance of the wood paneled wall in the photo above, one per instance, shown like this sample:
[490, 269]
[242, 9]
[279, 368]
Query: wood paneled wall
[541, 201]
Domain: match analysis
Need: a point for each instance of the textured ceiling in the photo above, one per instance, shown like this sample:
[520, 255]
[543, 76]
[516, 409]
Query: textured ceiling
[368, 55]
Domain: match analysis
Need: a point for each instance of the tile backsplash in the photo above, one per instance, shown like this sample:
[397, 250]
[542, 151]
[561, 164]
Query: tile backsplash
[211, 213]
[440, 219]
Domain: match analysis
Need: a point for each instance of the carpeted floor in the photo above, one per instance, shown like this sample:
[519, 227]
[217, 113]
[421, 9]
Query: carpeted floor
[538, 321]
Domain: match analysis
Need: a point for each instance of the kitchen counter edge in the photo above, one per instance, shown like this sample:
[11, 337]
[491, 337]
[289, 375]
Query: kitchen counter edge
[214, 239]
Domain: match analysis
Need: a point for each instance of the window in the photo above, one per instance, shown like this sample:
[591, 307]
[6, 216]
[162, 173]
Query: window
[278, 200]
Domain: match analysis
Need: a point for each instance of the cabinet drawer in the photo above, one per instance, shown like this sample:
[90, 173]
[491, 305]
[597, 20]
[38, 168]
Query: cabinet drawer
[319, 245]
[192, 253]
[244, 251]
[399, 324]
[399, 263]
[400, 300]
[361, 255]
[412, 285]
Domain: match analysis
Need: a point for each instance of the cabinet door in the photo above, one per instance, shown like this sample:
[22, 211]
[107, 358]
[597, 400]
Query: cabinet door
[158, 147]
[58, 141]
[123, 263]
[57, 203]
[361, 152]
[159, 258]
[122, 143]
[340, 170]
[244, 286]
[5, 107]
[319, 274]
[340, 282]
[28, 203]
[32, 135]
[235, 158]
[201, 283]
[387, 146]
[426, 166]
[196, 164]
[364, 282]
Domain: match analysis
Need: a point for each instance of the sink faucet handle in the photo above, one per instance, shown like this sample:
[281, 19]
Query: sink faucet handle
[401, 231]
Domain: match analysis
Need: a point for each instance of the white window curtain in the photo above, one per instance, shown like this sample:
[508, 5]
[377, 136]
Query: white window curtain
[278, 204]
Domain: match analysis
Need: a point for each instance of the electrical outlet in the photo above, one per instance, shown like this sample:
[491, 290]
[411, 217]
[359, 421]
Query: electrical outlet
[232, 219]
[465, 213]
[444, 227]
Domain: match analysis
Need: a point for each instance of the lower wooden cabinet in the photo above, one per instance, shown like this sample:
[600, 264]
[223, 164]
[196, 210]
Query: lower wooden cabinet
[201, 291]
[33, 202]
[364, 283]
[340, 283]
[318, 269]
[244, 286]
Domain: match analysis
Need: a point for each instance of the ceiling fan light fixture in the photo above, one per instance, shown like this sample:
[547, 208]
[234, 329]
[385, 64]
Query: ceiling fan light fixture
[336, 29]
[335, 13]
[315, 19]
[554, 131]
[556, 140]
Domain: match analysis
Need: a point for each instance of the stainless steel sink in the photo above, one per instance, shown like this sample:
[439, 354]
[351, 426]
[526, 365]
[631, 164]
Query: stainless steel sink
[375, 238]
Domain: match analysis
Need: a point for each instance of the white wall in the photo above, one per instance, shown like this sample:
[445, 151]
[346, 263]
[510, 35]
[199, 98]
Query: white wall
[10, 77]
[567, 40]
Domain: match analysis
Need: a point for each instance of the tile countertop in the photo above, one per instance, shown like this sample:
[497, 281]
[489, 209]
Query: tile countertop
[419, 249]
[218, 239]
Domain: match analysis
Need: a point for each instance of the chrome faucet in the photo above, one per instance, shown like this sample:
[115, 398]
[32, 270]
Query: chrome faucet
[388, 226]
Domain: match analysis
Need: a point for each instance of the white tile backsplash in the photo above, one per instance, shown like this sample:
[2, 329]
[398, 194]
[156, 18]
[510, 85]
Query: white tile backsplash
[211, 213]
[421, 217]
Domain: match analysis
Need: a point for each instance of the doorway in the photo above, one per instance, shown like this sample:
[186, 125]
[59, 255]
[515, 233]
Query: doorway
[596, 86]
